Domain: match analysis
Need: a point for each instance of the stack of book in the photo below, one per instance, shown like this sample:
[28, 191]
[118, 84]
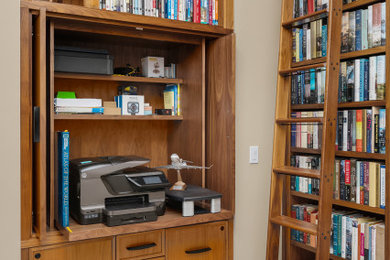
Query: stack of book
[310, 41]
[362, 79]
[308, 213]
[361, 130]
[358, 181]
[356, 236]
[306, 7]
[308, 87]
[197, 11]
[303, 184]
[306, 135]
[78, 106]
[364, 29]
[172, 99]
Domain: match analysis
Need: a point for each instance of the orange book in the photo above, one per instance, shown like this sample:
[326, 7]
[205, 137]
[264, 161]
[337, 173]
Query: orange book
[359, 131]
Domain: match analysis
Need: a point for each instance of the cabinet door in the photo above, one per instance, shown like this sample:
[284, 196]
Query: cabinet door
[99, 249]
[200, 242]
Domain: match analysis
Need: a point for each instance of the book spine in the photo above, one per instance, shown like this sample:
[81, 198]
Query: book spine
[382, 130]
[369, 27]
[372, 185]
[345, 130]
[357, 81]
[383, 24]
[357, 186]
[336, 180]
[342, 180]
[382, 186]
[358, 33]
[359, 138]
[372, 80]
[376, 25]
[350, 80]
[380, 77]
[364, 29]
[318, 38]
[347, 180]
[361, 79]
[351, 35]
[353, 180]
[369, 131]
[366, 183]
[366, 79]
[361, 165]
[324, 43]
[63, 183]
[344, 32]
[304, 41]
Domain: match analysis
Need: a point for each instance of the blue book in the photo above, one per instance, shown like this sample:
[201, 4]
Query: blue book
[358, 30]
[175, 10]
[335, 232]
[293, 131]
[324, 40]
[348, 240]
[382, 189]
[361, 183]
[313, 92]
[361, 81]
[174, 89]
[63, 178]
[297, 183]
[300, 45]
[366, 78]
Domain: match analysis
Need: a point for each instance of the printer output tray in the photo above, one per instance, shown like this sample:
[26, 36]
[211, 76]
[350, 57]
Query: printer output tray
[128, 214]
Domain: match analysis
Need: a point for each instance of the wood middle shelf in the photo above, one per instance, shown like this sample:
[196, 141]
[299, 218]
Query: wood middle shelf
[303, 64]
[361, 104]
[114, 117]
[359, 4]
[62, 75]
[342, 203]
[306, 18]
[359, 155]
[363, 53]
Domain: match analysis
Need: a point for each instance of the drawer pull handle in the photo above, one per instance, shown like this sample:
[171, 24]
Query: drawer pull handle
[198, 251]
[141, 247]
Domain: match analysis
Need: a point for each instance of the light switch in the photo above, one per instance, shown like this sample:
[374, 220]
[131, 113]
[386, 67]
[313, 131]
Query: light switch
[253, 154]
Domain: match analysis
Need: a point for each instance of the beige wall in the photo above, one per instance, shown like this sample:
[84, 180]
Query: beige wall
[9, 132]
[257, 24]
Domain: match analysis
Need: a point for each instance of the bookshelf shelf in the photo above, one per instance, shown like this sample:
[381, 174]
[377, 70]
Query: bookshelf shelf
[306, 18]
[359, 4]
[117, 78]
[115, 117]
[288, 170]
[287, 72]
[305, 150]
[363, 104]
[312, 249]
[302, 64]
[286, 121]
[353, 205]
[304, 195]
[363, 53]
[360, 155]
[307, 107]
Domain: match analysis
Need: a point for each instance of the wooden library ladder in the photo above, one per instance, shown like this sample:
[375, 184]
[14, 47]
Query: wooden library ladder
[282, 133]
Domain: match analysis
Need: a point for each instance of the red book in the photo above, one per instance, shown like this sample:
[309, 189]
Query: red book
[210, 11]
[359, 130]
[347, 172]
[310, 6]
[196, 11]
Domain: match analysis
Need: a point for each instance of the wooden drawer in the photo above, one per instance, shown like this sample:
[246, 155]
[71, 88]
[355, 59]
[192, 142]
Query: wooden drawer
[141, 245]
[97, 249]
[205, 241]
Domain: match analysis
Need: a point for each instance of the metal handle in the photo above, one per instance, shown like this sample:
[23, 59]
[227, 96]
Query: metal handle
[141, 247]
[198, 251]
[36, 125]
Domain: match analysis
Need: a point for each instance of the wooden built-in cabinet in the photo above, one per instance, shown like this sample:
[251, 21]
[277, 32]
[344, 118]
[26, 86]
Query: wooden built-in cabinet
[204, 133]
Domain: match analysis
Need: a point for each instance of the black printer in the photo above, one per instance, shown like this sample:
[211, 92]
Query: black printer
[115, 190]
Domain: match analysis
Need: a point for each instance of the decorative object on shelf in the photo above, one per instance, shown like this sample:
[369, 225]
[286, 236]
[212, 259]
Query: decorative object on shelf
[153, 67]
[127, 90]
[128, 71]
[115, 190]
[179, 164]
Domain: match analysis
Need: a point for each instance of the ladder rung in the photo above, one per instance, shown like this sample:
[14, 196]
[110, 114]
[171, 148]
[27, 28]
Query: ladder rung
[289, 170]
[295, 224]
[299, 120]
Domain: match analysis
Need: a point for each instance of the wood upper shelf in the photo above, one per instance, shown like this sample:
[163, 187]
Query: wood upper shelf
[359, 155]
[358, 105]
[302, 64]
[306, 18]
[114, 117]
[363, 53]
[359, 4]
[118, 78]
[80, 13]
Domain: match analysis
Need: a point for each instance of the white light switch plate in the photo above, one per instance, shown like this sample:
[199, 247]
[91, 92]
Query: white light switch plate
[253, 154]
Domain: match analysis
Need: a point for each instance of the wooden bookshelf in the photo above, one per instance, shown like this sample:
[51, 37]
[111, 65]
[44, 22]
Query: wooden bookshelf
[282, 197]
[115, 117]
[116, 78]
[306, 18]
[363, 53]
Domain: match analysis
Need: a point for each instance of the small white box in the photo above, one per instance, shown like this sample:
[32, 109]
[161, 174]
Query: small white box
[132, 105]
[153, 67]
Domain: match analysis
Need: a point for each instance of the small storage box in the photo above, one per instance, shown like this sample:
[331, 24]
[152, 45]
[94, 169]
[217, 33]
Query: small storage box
[153, 67]
[77, 60]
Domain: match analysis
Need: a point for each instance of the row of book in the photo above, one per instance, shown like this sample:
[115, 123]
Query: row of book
[356, 236]
[362, 130]
[363, 29]
[358, 181]
[308, 87]
[362, 79]
[197, 11]
[303, 184]
[78, 106]
[310, 41]
[305, 7]
[171, 95]
[306, 135]
[307, 213]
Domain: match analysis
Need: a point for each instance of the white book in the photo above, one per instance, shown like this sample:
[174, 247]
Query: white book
[354, 247]
[357, 80]
[373, 242]
[315, 133]
[380, 76]
[372, 77]
[345, 130]
[308, 45]
[369, 26]
[77, 102]
[79, 110]
[382, 186]
[303, 132]
[383, 23]
[364, 29]
[319, 87]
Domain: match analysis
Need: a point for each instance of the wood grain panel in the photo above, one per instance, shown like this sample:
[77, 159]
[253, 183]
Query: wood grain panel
[39, 99]
[212, 236]
[24, 254]
[26, 166]
[51, 123]
[98, 249]
[387, 98]
[220, 126]
[185, 138]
